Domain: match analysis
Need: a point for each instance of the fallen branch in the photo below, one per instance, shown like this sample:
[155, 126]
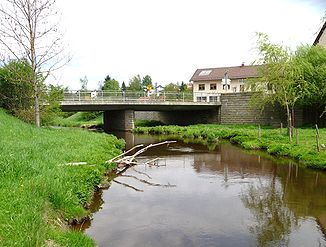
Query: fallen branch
[76, 164]
[127, 185]
[146, 182]
[123, 160]
[142, 173]
[120, 155]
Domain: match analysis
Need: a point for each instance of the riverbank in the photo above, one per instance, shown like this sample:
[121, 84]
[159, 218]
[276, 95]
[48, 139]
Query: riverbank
[39, 192]
[274, 141]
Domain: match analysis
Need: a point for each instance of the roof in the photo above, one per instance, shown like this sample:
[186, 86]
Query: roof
[320, 34]
[237, 72]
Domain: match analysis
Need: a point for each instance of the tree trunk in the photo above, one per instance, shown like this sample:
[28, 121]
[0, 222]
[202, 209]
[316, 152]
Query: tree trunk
[289, 120]
[37, 113]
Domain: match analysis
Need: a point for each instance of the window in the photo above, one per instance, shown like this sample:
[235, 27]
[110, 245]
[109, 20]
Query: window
[226, 87]
[201, 99]
[213, 98]
[241, 81]
[205, 72]
[242, 88]
[201, 87]
[234, 89]
[212, 86]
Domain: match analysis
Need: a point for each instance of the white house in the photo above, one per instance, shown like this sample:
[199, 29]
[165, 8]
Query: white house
[209, 83]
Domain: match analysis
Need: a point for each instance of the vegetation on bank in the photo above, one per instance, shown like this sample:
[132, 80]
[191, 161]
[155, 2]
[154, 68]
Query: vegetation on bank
[39, 193]
[80, 119]
[274, 141]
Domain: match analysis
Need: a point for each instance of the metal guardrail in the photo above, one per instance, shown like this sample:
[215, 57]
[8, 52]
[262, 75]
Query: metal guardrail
[131, 96]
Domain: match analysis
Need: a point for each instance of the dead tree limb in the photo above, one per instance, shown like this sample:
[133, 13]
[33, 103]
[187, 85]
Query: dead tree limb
[127, 185]
[147, 182]
[124, 160]
[142, 173]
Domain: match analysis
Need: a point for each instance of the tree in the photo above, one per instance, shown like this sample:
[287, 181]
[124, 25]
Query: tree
[147, 81]
[83, 83]
[172, 87]
[281, 79]
[312, 60]
[110, 84]
[28, 31]
[16, 94]
[135, 84]
[123, 87]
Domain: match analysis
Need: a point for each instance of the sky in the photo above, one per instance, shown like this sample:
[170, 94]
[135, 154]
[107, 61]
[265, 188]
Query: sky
[170, 39]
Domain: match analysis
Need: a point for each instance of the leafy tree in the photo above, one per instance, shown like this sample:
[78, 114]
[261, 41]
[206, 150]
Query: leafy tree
[52, 95]
[123, 86]
[28, 31]
[147, 81]
[16, 93]
[110, 84]
[172, 87]
[281, 79]
[135, 84]
[312, 60]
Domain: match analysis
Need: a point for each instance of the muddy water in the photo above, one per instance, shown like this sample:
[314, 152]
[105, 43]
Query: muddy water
[224, 197]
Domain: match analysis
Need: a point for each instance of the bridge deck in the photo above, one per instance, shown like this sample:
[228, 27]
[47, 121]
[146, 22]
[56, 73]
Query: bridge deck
[138, 101]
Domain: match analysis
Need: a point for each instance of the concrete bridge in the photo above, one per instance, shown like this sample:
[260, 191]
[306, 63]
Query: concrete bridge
[119, 107]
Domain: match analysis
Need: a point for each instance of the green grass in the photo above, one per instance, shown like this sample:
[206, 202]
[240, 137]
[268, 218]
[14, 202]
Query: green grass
[271, 140]
[78, 120]
[147, 123]
[38, 194]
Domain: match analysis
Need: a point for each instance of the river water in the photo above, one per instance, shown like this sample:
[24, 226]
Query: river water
[194, 196]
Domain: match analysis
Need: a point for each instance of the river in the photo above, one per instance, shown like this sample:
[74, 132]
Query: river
[200, 197]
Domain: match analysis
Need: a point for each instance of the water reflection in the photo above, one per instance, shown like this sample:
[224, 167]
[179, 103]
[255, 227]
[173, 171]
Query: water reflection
[224, 197]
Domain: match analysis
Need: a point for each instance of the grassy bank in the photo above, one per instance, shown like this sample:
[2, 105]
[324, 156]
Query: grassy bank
[79, 119]
[38, 194]
[274, 141]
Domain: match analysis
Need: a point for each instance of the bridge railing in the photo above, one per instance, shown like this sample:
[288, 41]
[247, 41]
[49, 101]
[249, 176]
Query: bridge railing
[117, 96]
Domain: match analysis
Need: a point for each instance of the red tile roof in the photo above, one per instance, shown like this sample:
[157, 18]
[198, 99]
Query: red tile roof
[237, 72]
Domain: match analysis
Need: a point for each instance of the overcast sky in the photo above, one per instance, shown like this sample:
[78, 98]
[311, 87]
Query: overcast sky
[170, 39]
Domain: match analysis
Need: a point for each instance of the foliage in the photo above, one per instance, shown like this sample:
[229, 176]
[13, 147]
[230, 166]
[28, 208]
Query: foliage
[16, 94]
[312, 60]
[110, 84]
[272, 140]
[53, 95]
[280, 77]
[123, 87]
[80, 119]
[38, 192]
[135, 84]
[172, 87]
[147, 123]
[29, 31]
[147, 81]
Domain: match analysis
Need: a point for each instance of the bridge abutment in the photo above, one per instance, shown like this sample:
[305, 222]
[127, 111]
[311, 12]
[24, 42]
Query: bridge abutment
[119, 120]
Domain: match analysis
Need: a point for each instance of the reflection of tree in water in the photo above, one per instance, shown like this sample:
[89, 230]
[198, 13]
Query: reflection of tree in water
[273, 219]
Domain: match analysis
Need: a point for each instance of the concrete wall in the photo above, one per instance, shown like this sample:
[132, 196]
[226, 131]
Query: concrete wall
[236, 109]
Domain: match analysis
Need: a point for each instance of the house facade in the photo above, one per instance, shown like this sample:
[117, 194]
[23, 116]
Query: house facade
[209, 83]
[321, 37]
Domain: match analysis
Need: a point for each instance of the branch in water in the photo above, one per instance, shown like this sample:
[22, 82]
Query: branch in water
[149, 183]
[128, 186]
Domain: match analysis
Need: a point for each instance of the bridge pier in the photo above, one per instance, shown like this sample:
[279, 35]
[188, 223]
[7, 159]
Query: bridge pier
[119, 120]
